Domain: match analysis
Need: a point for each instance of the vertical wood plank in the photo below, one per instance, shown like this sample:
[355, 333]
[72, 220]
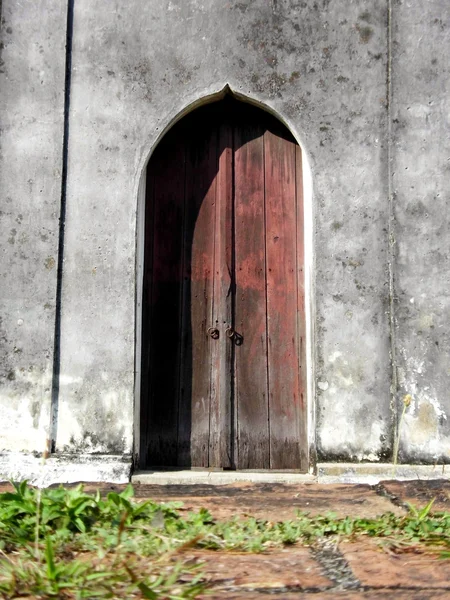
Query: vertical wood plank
[199, 238]
[168, 168]
[281, 258]
[146, 314]
[221, 448]
[250, 311]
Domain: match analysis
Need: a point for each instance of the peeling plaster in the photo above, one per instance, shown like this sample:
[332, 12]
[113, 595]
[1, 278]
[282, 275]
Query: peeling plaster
[423, 434]
[64, 468]
[25, 413]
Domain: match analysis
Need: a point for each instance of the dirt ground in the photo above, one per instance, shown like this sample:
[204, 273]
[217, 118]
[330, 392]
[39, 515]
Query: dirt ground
[329, 570]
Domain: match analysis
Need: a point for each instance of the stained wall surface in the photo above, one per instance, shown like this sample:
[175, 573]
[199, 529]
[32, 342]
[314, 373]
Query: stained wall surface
[322, 67]
[421, 177]
[356, 83]
[32, 59]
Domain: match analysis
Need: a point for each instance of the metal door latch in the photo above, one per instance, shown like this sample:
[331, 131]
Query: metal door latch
[234, 335]
[213, 332]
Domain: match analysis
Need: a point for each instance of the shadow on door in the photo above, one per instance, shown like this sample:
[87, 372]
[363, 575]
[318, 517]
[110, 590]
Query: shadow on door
[212, 388]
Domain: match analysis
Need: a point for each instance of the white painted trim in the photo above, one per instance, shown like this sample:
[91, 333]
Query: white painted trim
[140, 241]
[308, 221]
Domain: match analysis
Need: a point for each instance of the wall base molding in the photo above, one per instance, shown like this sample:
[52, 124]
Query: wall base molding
[64, 468]
[107, 468]
[372, 473]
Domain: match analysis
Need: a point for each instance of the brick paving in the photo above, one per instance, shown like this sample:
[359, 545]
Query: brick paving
[420, 492]
[367, 594]
[376, 568]
[282, 569]
[331, 569]
[275, 502]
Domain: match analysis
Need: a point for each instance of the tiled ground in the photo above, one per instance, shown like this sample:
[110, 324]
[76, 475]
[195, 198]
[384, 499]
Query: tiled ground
[328, 571]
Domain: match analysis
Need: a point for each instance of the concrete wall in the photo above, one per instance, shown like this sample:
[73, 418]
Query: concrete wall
[32, 58]
[356, 83]
[135, 68]
[421, 234]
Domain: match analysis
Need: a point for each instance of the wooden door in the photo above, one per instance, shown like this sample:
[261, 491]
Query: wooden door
[223, 300]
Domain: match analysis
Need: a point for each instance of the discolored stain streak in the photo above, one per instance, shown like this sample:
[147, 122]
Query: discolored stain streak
[365, 33]
[242, 6]
[365, 16]
[428, 421]
[35, 412]
[12, 237]
[49, 263]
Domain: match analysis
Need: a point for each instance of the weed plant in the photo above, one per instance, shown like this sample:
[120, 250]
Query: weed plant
[65, 543]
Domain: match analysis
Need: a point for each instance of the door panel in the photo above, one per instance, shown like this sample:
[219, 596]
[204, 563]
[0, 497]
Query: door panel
[281, 253]
[221, 442]
[197, 308]
[163, 311]
[224, 249]
[251, 389]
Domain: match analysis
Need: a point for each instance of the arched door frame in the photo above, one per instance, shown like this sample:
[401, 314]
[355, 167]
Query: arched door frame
[308, 256]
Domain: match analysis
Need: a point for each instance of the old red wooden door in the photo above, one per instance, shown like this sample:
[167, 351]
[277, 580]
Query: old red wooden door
[223, 360]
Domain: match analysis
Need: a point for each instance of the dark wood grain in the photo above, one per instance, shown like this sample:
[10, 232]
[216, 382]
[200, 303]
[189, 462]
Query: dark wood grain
[250, 319]
[281, 252]
[198, 274]
[168, 166]
[221, 446]
[146, 314]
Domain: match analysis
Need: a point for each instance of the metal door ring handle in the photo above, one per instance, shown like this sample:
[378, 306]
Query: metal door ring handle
[213, 332]
[230, 332]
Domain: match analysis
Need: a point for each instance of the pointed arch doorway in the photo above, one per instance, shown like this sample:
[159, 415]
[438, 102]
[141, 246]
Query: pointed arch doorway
[223, 322]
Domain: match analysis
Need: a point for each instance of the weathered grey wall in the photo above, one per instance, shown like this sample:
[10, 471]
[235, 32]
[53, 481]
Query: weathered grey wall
[322, 67]
[376, 135]
[32, 54]
[421, 186]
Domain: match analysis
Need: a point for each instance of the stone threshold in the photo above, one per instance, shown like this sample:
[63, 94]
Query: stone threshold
[106, 468]
[369, 473]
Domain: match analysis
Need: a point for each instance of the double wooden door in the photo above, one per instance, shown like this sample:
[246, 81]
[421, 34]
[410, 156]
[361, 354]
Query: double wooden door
[223, 365]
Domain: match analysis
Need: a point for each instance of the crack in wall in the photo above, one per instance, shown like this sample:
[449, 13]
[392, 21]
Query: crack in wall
[51, 442]
[391, 230]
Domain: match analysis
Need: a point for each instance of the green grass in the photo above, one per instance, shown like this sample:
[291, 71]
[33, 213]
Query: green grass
[60, 543]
